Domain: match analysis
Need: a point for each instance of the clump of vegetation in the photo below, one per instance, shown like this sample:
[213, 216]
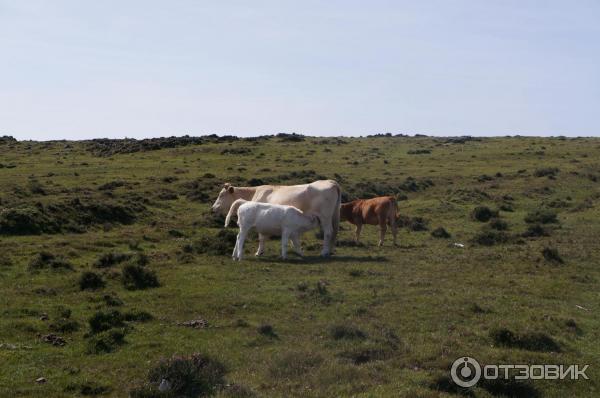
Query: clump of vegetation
[509, 388]
[535, 230]
[91, 281]
[105, 342]
[220, 244]
[102, 321]
[69, 216]
[440, 232]
[498, 224]
[346, 332]
[376, 351]
[87, 389]
[418, 151]
[237, 391]
[531, 341]
[137, 316]
[136, 277]
[196, 375]
[551, 254]
[491, 238]
[483, 213]
[48, 260]
[412, 223]
[112, 301]
[444, 383]
[267, 330]
[546, 172]
[542, 216]
[109, 259]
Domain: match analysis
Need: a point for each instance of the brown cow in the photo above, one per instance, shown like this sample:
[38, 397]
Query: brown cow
[376, 211]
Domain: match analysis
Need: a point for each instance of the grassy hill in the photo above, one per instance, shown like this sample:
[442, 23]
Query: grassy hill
[108, 248]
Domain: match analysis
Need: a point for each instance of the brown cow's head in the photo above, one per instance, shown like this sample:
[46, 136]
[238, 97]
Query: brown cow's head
[224, 200]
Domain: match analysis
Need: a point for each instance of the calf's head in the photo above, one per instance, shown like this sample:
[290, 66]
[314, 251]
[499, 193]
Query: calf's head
[224, 200]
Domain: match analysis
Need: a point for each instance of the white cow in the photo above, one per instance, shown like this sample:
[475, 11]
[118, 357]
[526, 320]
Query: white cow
[321, 198]
[269, 219]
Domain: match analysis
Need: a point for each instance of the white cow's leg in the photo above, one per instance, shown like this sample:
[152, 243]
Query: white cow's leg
[327, 234]
[296, 244]
[284, 244]
[261, 245]
[234, 254]
[240, 246]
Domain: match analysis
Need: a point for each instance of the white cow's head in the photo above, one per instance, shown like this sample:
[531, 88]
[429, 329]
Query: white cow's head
[224, 200]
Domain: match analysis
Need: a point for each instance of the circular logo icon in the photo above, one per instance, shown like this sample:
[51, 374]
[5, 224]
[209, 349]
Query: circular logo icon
[465, 371]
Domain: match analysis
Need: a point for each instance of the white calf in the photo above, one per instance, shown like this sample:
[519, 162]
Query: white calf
[269, 219]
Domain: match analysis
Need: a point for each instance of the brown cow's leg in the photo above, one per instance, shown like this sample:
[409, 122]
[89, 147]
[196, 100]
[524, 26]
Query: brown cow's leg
[394, 228]
[382, 229]
[357, 232]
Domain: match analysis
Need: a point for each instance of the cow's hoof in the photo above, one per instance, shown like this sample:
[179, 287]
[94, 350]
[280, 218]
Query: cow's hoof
[258, 254]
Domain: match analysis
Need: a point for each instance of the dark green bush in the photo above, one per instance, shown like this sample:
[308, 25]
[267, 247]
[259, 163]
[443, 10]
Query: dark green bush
[135, 277]
[91, 281]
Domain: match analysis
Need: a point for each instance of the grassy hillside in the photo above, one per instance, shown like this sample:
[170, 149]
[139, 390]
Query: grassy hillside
[89, 229]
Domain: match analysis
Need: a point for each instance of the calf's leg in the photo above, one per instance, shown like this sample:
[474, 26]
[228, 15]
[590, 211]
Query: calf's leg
[296, 244]
[261, 245]
[240, 243]
[284, 244]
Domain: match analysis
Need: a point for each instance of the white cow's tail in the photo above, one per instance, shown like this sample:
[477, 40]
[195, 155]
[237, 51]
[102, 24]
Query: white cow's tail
[233, 210]
[335, 220]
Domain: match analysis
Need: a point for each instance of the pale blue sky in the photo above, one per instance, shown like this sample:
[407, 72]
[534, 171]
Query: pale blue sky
[83, 69]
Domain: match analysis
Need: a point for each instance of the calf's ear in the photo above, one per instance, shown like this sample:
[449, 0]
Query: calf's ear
[230, 189]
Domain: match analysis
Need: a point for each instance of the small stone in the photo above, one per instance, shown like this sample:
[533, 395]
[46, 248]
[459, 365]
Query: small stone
[164, 385]
[40, 380]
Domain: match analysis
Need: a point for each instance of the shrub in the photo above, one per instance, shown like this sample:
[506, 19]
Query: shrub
[483, 213]
[542, 216]
[63, 325]
[535, 230]
[109, 259]
[221, 244]
[445, 383]
[498, 224]
[138, 316]
[528, 341]
[371, 352]
[102, 321]
[112, 301]
[509, 388]
[414, 224]
[105, 342]
[346, 332]
[48, 260]
[551, 255]
[87, 388]
[135, 277]
[90, 281]
[193, 376]
[546, 172]
[490, 238]
[441, 233]
[267, 330]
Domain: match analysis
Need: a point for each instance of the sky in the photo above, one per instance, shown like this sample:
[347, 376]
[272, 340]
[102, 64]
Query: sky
[89, 69]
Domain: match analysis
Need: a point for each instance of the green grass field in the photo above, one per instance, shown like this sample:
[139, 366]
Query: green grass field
[367, 322]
